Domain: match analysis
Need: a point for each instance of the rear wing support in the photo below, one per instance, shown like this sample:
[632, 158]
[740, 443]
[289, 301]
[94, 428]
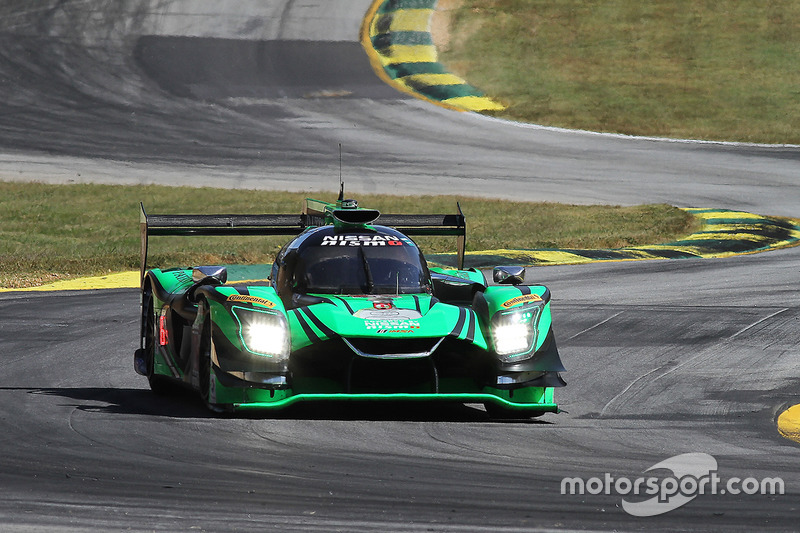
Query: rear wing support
[215, 225]
[221, 225]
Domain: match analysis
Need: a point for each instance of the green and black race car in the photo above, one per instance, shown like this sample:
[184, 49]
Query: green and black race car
[350, 311]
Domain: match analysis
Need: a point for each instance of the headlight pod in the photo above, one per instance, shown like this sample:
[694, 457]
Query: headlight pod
[263, 332]
[514, 332]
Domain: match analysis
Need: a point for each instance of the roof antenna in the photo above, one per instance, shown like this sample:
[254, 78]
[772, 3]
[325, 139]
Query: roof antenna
[341, 181]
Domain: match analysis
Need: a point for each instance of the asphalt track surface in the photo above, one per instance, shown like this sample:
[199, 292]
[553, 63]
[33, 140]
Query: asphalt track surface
[664, 357]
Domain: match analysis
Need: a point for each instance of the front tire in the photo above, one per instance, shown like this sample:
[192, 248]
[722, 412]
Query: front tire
[205, 374]
[205, 370]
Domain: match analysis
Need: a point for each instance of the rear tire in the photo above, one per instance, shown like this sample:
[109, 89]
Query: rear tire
[158, 384]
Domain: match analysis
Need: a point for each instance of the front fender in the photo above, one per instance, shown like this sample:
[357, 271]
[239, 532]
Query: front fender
[226, 305]
[496, 300]
[545, 359]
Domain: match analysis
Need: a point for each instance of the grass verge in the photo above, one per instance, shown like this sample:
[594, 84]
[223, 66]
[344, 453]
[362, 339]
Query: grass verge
[721, 70]
[55, 232]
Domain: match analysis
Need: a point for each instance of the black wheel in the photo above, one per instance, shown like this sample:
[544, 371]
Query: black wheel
[158, 384]
[205, 372]
[204, 367]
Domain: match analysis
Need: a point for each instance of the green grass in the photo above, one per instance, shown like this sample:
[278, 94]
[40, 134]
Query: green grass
[720, 70]
[52, 232]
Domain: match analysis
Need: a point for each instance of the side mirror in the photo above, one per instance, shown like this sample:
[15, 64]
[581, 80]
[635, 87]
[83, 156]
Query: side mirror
[210, 275]
[509, 275]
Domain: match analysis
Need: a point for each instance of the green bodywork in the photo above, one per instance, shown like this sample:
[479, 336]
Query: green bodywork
[452, 341]
[337, 318]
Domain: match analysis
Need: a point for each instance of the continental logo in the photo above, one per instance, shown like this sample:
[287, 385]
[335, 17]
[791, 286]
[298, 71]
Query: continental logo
[250, 299]
[521, 300]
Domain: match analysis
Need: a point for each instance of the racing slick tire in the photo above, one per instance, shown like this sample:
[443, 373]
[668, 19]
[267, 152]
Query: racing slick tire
[205, 370]
[158, 384]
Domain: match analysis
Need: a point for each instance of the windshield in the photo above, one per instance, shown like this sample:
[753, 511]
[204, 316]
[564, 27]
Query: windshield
[362, 264]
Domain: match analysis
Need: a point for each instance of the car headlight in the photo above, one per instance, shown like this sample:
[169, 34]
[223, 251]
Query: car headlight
[263, 332]
[514, 333]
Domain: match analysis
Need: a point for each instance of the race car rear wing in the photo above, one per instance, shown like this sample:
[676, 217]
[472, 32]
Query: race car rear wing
[239, 225]
[413, 225]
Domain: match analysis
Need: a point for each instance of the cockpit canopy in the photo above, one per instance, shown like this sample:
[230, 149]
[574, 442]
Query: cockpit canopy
[328, 260]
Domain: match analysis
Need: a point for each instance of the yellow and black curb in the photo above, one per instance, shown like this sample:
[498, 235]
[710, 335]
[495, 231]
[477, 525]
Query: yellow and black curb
[396, 36]
[789, 423]
[722, 233]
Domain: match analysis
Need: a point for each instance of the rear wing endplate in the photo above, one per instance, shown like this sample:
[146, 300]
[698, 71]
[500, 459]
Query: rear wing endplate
[241, 225]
